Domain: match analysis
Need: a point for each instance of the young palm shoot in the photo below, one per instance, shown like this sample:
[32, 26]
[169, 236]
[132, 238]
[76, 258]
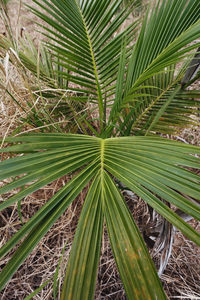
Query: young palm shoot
[134, 88]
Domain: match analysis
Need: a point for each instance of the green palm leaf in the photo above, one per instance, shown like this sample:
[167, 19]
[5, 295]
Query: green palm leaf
[129, 250]
[161, 36]
[82, 267]
[164, 106]
[86, 43]
[143, 164]
[163, 41]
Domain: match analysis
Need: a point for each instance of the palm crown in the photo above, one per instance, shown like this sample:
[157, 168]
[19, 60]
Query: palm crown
[137, 91]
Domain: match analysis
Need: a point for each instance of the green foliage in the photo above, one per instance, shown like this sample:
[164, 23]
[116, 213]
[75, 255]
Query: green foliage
[137, 92]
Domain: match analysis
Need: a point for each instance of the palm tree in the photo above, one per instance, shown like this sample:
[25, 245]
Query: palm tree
[134, 86]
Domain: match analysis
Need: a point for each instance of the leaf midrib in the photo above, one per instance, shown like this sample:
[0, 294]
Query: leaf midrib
[99, 93]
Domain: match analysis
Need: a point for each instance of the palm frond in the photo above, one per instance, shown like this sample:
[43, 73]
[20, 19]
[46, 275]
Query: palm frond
[168, 112]
[163, 42]
[151, 167]
[81, 35]
[165, 31]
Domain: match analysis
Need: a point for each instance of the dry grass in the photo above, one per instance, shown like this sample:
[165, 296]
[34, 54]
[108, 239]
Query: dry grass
[181, 278]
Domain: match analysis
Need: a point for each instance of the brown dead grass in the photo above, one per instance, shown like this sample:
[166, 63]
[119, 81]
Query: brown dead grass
[182, 276]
